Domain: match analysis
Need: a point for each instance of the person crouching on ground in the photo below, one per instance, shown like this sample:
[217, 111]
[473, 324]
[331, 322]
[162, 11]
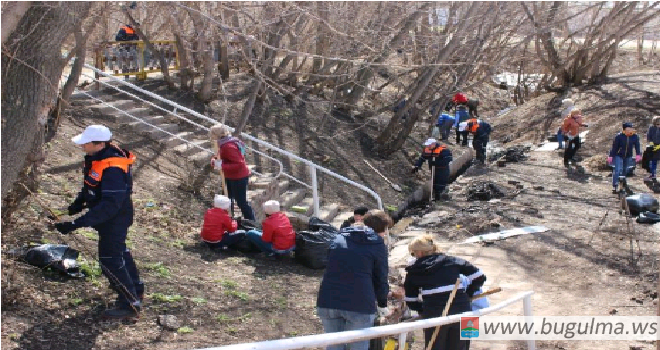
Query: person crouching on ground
[622, 152]
[231, 157]
[653, 139]
[354, 286]
[356, 219]
[220, 230]
[571, 128]
[444, 124]
[277, 237]
[433, 275]
[439, 157]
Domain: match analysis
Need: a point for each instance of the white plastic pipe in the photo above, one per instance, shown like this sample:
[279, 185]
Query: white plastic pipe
[322, 340]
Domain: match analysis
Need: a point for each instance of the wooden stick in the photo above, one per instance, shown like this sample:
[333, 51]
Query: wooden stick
[444, 312]
[485, 294]
[41, 204]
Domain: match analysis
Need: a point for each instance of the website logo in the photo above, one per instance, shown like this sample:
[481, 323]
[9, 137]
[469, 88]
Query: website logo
[469, 327]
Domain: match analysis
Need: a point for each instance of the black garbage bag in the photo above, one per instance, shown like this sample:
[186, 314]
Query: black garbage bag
[312, 248]
[316, 224]
[646, 158]
[58, 257]
[648, 217]
[639, 203]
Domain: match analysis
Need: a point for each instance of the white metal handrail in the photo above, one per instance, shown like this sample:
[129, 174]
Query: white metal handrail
[312, 167]
[279, 163]
[401, 329]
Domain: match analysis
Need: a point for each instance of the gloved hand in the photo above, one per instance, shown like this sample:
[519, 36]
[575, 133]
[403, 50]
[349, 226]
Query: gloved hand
[66, 227]
[609, 160]
[638, 158]
[650, 144]
[570, 138]
[656, 148]
[76, 207]
[415, 170]
[383, 311]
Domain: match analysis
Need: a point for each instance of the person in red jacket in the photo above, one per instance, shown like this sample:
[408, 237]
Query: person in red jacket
[219, 229]
[277, 237]
[231, 159]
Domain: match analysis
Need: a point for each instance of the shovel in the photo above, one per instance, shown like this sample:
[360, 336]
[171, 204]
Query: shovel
[394, 186]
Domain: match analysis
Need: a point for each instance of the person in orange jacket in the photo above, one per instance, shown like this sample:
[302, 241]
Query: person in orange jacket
[219, 229]
[571, 128]
[277, 237]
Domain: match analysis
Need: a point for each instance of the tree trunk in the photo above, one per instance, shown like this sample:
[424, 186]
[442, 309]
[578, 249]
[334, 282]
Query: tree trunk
[11, 15]
[185, 73]
[365, 73]
[322, 37]
[247, 109]
[30, 78]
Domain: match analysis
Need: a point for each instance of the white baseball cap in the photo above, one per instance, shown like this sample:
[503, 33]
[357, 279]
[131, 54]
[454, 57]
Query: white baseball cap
[97, 133]
[221, 202]
[430, 142]
[271, 207]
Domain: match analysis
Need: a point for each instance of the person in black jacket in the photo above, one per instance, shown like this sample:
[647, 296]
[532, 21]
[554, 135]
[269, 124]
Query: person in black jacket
[439, 157]
[358, 216]
[433, 275]
[354, 285]
[106, 192]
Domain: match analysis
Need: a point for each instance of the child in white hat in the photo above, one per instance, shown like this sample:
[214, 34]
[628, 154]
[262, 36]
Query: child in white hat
[219, 229]
[278, 236]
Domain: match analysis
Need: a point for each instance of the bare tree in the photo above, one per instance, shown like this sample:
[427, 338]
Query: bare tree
[31, 70]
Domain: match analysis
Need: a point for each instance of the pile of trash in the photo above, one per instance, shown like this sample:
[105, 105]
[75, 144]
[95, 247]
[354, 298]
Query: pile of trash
[484, 191]
[510, 154]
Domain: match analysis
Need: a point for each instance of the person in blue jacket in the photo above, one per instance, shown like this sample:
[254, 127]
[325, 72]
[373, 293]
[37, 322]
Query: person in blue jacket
[354, 286]
[622, 152]
[106, 192]
[444, 124]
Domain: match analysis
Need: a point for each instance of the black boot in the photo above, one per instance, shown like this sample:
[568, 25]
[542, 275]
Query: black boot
[122, 312]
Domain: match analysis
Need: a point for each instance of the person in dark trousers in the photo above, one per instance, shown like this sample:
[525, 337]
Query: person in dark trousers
[106, 192]
[277, 237]
[621, 154]
[358, 216]
[401, 105]
[354, 286]
[127, 33]
[653, 139]
[231, 159]
[433, 275]
[460, 101]
[571, 129]
[480, 131]
[439, 157]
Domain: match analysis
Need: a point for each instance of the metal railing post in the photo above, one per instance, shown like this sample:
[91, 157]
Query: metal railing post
[315, 189]
[527, 310]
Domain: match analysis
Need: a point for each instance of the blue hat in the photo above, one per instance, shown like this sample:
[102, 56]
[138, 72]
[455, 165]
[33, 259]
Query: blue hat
[627, 125]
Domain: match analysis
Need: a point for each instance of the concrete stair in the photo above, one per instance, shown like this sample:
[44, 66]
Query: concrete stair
[260, 188]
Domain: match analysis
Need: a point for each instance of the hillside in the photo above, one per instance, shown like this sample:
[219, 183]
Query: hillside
[224, 298]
